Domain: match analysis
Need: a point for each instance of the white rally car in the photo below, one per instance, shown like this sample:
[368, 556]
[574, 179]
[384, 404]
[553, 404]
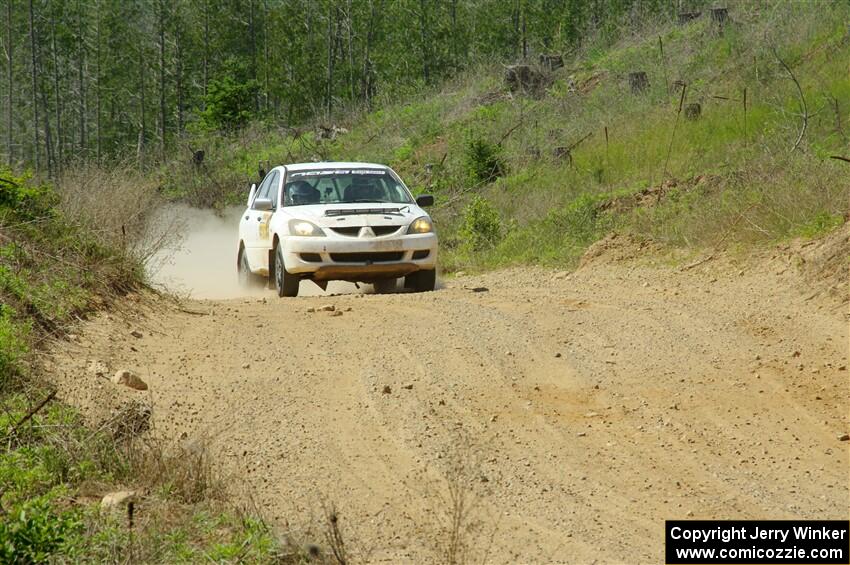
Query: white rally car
[353, 222]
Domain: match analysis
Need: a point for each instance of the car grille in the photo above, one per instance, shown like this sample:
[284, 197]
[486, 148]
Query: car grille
[353, 231]
[373, 257]
[362, 211]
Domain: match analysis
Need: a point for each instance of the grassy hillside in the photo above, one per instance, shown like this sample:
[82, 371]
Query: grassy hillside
[59, 263]
[732, 176]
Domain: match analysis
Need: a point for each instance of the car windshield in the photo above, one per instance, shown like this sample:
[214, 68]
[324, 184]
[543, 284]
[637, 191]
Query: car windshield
[336, 186]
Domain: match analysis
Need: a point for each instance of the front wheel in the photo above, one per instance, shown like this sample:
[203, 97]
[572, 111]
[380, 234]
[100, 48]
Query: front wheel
[286, 282]
[384, 286]
[247, 279]
[421, 281]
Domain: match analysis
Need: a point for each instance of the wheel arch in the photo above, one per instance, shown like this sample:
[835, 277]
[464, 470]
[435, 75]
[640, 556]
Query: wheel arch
[239, 254]
[272, 254]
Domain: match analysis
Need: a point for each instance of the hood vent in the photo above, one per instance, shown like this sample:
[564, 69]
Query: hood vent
[362, 211]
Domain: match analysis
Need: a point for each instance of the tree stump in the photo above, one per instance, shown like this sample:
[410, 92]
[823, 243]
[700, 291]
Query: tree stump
[693, 111]
[638, 82]
[563, 154]
[719, 15]
[551, 62]
[685, 17]
[522, 78]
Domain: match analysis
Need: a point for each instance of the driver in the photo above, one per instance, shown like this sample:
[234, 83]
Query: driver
[300, 192]
[365, 189]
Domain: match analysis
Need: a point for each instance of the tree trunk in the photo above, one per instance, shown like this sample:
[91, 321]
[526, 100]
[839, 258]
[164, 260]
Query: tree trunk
[515, 20]
[97, 90]
[367, 62]
[35, 136]
[423, 36]
[162, 128]
[140, 149]
[48, 138]
[81, 54]
[350, 33]
[10, 95]
[524, 32]
[266, 55]
[206, 49]
[57, 96]
[330, 75]
[179, 78]
[253, 43]
[455, 55]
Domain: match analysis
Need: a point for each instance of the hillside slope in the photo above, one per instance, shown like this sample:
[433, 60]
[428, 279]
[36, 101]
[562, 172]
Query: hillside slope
[536, 176]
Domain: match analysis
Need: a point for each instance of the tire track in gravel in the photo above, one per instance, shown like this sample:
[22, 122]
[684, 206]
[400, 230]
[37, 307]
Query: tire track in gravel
[600, 403]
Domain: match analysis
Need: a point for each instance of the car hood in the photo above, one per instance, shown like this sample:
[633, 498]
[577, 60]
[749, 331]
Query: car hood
[357, 214]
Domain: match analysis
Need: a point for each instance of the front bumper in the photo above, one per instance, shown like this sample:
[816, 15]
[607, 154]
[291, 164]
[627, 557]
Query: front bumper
[359, 259]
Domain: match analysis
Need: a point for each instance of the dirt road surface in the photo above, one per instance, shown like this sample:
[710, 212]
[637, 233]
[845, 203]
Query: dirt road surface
[578, 411]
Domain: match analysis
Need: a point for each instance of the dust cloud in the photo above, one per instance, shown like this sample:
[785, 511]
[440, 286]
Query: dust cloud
[197, 255]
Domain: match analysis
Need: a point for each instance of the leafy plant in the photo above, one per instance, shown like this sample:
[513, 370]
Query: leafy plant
[12, 342]
[483, 160]
[230, 98]
[33, 533]
[482, 225]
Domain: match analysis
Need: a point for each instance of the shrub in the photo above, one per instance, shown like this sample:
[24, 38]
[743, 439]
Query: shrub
[483, 160]
[33, 533]
[230, 99]
[23, 201]
[581, 221]
[481, 227]
[13, 344]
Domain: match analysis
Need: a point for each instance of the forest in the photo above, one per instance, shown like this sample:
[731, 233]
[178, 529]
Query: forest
[108, 80]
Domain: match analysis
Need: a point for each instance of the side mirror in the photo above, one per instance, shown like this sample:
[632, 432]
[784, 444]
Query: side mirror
[251, 194]
[263, 204]
[424, 200]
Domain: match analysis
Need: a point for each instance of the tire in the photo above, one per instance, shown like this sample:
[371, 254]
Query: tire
[247, 279]
[286, 283]
[421, 281]
[384, 286]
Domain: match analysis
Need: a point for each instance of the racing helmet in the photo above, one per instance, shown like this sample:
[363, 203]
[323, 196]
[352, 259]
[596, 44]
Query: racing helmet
[300, 192]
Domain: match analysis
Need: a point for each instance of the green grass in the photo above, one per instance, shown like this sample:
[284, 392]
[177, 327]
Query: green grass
[445, 140]
[54, 457]
[52, 271]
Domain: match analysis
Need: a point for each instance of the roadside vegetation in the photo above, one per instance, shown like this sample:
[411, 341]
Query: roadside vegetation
[536, 175]
[62, 258]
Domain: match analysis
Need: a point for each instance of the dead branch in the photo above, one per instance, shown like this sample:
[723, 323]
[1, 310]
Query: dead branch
[32, 412]
[697, 263]
[509, 132]
[672, 137]
[577, 143]
[840, 158]
[803, 105]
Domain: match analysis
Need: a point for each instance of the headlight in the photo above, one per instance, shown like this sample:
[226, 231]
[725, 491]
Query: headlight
[421, 225]
[305, 228]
